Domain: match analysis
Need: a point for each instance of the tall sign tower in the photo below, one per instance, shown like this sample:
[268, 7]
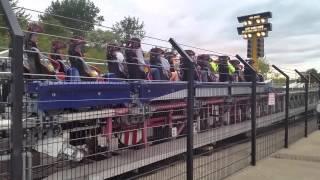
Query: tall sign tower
[255, 28]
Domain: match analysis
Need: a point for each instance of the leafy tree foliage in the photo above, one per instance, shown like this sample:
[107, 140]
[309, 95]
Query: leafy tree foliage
[263, 66]
[129, 27]
[22, 18]
[312, 71]
[101, 37]
[66, 11]
[54, 27]
[278, 79]
[20, 13]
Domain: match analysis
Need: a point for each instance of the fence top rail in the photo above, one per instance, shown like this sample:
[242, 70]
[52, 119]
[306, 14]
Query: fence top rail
[315, 77]
[302, 76]
[281, 72]
[246, 64]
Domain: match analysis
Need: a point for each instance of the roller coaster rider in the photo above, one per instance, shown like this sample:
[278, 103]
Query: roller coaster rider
[206, 66]
[214, 67]
[57, 56]
[238, 74]
[248, 73]
[172, 59]
[157, 61]
[184, 67]
[137, 67]
[37, 62]
[135, 59]
[226, 70]
[77, 61]
[116, 61]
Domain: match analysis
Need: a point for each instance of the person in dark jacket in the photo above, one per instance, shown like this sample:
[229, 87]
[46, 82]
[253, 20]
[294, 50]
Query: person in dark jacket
[37, 62]
[184, 67]
[204, 61]
[135, 59]
[76, 58]
[260, 78]
[160, 63]
[247, 72]
[116, 61]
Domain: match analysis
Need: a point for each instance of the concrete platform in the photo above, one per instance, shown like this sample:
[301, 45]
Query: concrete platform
[300, 162]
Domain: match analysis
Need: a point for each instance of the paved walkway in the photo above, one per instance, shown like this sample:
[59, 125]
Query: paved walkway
[300, 162]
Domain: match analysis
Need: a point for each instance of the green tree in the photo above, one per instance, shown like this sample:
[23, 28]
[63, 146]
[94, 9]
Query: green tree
[20, 13]
[312, 71]
[129, 27]
[66, 11]
[278, 79]
[100, 37]
[54, 27]
[22, 18]
[263, 66]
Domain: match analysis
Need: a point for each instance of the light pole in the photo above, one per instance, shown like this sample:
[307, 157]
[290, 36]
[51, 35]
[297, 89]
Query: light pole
[255, 28]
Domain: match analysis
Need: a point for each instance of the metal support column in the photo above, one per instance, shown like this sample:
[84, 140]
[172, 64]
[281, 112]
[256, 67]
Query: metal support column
[306, 99]
[190, 107]
[253, 110]
[286, 120]
[17, 88]
[254, 52]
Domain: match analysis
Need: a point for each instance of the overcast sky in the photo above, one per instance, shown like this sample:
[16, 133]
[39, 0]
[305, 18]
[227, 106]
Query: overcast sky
[211, 24]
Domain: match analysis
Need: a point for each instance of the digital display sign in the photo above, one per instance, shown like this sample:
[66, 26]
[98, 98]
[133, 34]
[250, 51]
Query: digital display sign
[264, 15]
[254, 29]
